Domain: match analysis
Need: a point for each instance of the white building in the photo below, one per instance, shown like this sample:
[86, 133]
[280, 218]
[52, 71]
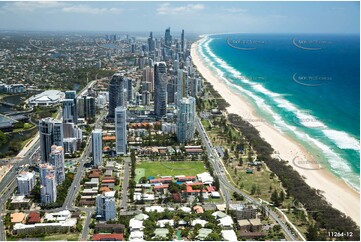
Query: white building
[26, 182]
[49, 192]
[121, 130]
[186, 119]
[56, 159]
[97, 147]
[46, 98]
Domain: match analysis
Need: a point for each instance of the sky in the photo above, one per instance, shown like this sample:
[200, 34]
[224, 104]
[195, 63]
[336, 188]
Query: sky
[195, 17]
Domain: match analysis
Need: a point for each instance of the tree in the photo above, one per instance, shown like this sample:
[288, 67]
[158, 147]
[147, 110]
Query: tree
[216, 183]
[281, 196]
[312, 233]
[253, 189]
[275, 198]
[3, 138]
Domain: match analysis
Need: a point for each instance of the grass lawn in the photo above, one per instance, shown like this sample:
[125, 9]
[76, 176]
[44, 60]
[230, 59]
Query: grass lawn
[170, 168]
[72, 237]
[139, 173]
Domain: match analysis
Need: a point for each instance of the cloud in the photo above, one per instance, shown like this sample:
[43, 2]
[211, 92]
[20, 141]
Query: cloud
[90, 10]
[236, 10]
[29, 6]
[167, 9]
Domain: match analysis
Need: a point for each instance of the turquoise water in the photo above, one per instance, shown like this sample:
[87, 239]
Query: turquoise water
[305, 85]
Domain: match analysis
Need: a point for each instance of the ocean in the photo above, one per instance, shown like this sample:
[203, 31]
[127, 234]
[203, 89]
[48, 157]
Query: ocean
[307, 86]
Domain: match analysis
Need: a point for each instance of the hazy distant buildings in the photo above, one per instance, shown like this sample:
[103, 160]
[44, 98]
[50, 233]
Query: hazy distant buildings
[117, 94]
[97, 148]
[186, 119]
[160, 89]
[26, 183]
[121, 130]
[51, 133]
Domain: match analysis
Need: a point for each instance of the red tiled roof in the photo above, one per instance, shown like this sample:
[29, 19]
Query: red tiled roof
[211, 189]
[108, 181]
[99, 237]
[160, 179]
[186, 178]
[34, 217]
[161, 186]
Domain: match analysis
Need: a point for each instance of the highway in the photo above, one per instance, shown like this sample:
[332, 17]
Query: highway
[220, 170]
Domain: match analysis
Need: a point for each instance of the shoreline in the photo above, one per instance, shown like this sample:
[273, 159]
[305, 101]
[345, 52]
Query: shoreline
[335, 191]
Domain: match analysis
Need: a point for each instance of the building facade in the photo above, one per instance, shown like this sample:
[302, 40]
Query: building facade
[97, 147]
[51, 133]
[26, 183]
[121, 130]
[186, 119]
[160, 89]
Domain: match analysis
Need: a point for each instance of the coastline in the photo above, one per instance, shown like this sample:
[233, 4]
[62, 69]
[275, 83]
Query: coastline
[335, 190]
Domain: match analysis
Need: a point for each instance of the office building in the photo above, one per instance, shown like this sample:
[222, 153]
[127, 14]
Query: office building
[121, 130]
[51, 133]
[71, 95]
[146, 98]
[26, 183]
[97, 147]
[186, 119]
[106, 206]
[160, 89]
[117, 94]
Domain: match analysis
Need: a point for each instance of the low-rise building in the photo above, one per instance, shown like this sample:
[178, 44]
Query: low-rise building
[57, 227]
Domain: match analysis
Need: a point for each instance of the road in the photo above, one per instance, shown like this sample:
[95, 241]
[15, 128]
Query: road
[220, 171]
[124, 202]
[85, 233]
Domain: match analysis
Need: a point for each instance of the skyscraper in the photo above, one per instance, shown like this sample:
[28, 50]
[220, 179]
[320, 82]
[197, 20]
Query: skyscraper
[121, 130]
[181, 84]
[146, 98]
[68, 111]
[56, 159]
[106, 206]
[117, 93]
[186, 119]
[151, 43]
[26, 183]
[182, 41]
[45, 170]
[51, 133]
[97, 147]
[71, 95]
[193, 86]
[167, 38]
[160, 89]
[130, 89]
[48, 192]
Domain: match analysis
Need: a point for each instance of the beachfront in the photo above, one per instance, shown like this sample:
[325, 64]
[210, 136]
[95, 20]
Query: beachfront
[336, 192]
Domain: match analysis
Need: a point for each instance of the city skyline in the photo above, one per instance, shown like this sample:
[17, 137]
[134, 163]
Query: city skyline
[211, 17]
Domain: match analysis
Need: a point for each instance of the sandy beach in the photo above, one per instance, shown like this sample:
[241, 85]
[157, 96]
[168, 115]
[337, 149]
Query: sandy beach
[335, 191]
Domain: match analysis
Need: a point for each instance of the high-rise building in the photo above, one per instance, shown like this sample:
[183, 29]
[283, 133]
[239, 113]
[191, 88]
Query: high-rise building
[130, 90]
[171, 90]
[71, 95]
[48, 192]
[167, 38]
[146, 98]
[193, 86]
[186, 120]
[121, 130]
[51, 133]
[106, 206]
[117, 93]
[181, 84]
[97, 147]
[87, 107]
[26, 183]
[182, 41]
[56, 159]
[68, 111]
[45, 170]
[160, 89]
[151, 42]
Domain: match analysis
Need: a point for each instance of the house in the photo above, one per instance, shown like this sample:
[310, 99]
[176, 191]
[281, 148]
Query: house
[162, 223]
[229, 235]
[205, 178]
[199, 221]
[17, 217]
[33, 218]
[186, 209]
[136, 236]
[161, 189]
[186, 178]
[161, 180]
[108, 237]
[194, 192]
[215, 195]
[136, 223]
[158, 209]
[203, 233]
[161, 233]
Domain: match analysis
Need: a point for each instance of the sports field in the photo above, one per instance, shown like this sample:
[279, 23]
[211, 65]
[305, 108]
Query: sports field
[168, 168]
